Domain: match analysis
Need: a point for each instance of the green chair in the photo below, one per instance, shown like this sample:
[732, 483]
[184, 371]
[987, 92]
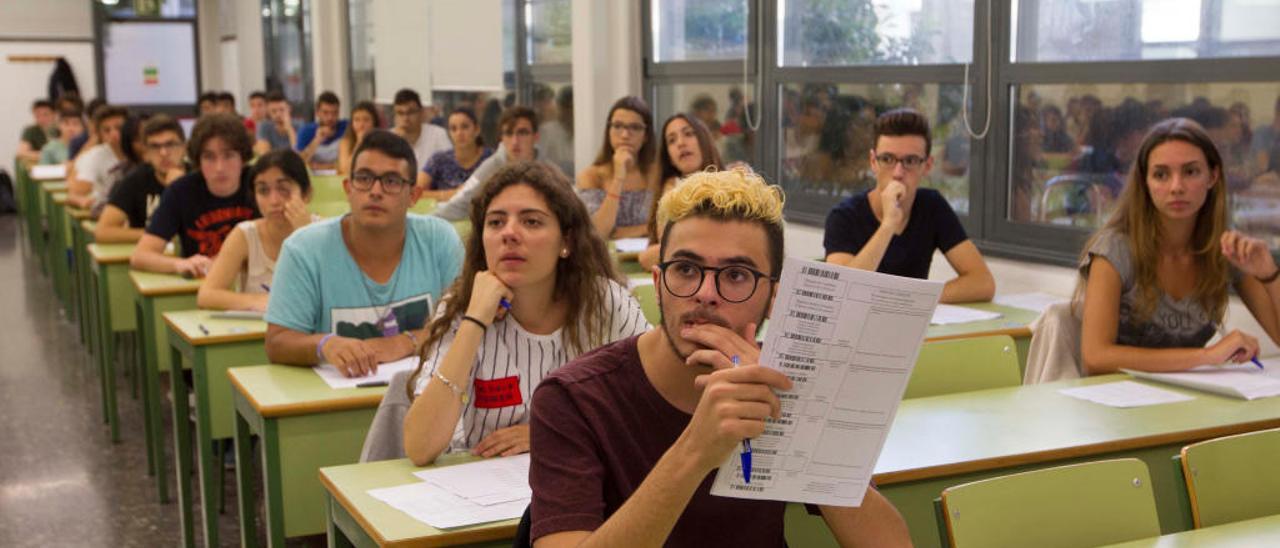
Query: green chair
[964, 365]
[648, 299]
[1087, 504]
[1232, 478]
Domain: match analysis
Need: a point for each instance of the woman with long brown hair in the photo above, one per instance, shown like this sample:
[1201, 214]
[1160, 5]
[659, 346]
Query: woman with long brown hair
[687, 148]
[537, 289]
[619, 186]
[1154, 280]
[364, 118]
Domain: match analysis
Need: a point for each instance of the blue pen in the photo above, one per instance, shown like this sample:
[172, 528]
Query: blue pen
[504, 303]
[266, 288]
[1256, 362]
[745, 455]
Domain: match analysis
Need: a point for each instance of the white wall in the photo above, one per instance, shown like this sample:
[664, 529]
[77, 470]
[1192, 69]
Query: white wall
[26, 28]
[329, 65]
[249, 60]
[606, 66]
[400, 48]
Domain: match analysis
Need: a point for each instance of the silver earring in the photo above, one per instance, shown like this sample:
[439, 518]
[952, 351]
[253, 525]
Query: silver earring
[564, 253]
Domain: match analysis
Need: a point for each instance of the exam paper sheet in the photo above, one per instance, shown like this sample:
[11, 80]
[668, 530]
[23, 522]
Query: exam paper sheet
[437, 507]
[488, 481]
[848, 340]
[947, 314]
[1124, 394]
[335, 380]
[631, 245]
[1244, 381]
[1035, 301]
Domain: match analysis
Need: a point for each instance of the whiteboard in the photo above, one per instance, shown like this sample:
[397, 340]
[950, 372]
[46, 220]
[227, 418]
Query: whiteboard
[150, 63]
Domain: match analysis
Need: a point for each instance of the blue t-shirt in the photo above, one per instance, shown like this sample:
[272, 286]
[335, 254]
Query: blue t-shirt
[318, 288]
[933, 225]
[327, 151]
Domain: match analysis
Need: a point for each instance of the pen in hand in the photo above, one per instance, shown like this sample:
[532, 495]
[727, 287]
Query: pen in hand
[745, 455]
[1222, 332]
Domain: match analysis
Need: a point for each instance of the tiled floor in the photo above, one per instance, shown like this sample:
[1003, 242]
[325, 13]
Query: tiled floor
[62, 481]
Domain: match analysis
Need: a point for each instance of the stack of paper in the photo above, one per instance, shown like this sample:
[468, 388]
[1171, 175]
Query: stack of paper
[49, 172]
[336, 380]
[465, 494]
[1243, 381]
[631, 245]
[947, 314]
[1036, 301]
[1124, 394]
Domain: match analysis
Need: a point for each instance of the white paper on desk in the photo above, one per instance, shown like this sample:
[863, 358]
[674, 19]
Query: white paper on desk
[49, 172]
[848, 339]
[1035, 301]
[335, 380]
[947, 314]
[237, 315]
[441, 509]
[631, 245]
[488, 481]
[1244, 381]
[1125, 394]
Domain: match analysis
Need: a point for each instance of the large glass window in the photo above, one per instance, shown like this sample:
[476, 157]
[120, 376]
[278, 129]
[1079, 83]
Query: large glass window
[287, 37]
[699, 30]
[127, 9]
[868, 32]
[549, 28]
[1117, 30]
[362, 41]
[1074, 145]
[827, 139]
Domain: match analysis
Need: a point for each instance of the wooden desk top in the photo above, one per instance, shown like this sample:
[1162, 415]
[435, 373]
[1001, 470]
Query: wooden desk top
[54, 186]
[349, 485]
[1014, 322]
[111, 253]
[1250, 533]
[989, 429]
[59, 198]
[284, 390]
[152, 284]
[187, 324]
[79, 214]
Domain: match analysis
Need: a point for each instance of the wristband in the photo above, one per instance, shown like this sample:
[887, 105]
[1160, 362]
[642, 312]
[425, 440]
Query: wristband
[483, 326]
[413, 339]
[1270, 278]
[320, 347]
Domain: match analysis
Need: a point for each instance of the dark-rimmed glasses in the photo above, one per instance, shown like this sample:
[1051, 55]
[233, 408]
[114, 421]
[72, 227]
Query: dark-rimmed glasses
[392, 183]
[734, 283]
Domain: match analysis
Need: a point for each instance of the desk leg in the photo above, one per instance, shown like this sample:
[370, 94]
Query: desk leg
[272, 482]
[336, 538]
[182, 448]
[244, 484]
[106, 356]
[140, 366]
[210, 470]
[151, 395]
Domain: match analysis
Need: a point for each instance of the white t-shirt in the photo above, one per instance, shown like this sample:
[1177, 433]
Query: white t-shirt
[95, 166]
[511, 362]
[433, 139]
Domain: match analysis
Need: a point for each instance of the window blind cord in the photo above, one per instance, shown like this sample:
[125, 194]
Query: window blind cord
[746, 105]
[964, 101]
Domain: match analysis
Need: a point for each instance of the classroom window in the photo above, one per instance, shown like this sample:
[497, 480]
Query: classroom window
[362, 41]
[1073, 146]
[168, 9]
[699, 30]
[722, 107]
[1122, 30]
[869, 32]
[549, 31]
[827, 138]
[286, 34]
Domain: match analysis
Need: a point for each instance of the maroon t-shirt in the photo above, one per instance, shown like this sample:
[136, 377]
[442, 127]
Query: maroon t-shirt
[598, 426]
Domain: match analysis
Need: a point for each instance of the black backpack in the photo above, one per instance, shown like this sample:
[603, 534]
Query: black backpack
[8, 204]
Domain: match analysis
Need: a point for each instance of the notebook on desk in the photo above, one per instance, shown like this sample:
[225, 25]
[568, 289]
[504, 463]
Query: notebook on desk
[1244, 381]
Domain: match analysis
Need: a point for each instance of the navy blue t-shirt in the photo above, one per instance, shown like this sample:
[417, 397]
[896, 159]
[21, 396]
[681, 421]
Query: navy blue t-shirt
[933, 225]
[199, 218]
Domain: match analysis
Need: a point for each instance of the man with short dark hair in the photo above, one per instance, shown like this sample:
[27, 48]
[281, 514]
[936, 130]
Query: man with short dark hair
[357, 290]
[36, 135]
[895, 227]
[279, 130]
[225, 103]
[519, 126]
[95, 171]
[136, 197]
[624, 440]
[70, 127]
[318, 141]
[412, 124]
[208, 103]
[203, 206]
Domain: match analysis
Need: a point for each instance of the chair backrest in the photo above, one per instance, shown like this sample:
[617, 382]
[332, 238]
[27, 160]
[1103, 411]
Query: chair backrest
[1087, 504]
[1067, 196]
[963, 365]
[648, 298]
[1233, 478]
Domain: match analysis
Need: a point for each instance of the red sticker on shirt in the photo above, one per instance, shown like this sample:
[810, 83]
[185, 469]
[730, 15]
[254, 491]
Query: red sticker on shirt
[495, 393]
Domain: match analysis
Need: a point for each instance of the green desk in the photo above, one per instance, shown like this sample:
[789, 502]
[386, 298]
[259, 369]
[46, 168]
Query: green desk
[357, 519]
[1251, 533]
[60, 250]
[1014, 322]
[81, 237]
[209, 347]
[68, 226]
[110, 283]
[46, 236]
[941, 441]
[155, 294]
[303, 426]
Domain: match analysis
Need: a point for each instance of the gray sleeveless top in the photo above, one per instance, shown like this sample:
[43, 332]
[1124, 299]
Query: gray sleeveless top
[1173, 324]
[633, 205]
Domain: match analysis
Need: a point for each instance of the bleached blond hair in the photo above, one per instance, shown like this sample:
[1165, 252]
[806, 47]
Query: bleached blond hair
[737, 194]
